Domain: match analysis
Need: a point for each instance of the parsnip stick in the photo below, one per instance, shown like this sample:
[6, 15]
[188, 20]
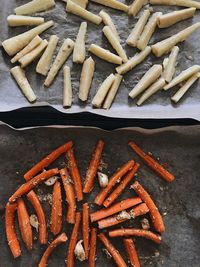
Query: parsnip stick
[154, 88]
[185, 3]
[184, 75]
[17, 20]
[82, 3]
[180, 93]
[44, 63]
[134, 61]
[102, 91]
[148, 31]
[113, 91]
[115, 43]
[82, 12]
[137, 30]
[23, 83]
[108, 22]
[136, 6]
[34, 7]
[169, 19]
[67, 92]
[105, 54]
[166, 45]
[113, 4]
[169, 70]
[149, 77]
[63, 54]
[79, 47]
[86, 78]
[16, 43]
[33, 44]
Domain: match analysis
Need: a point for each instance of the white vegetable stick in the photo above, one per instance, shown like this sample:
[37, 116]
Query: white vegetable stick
[82, 3]
[18, 20]
[165, 62]
[34, 43]
[180, 93]
[67, 92]
[184, 75]
[18, 42]
[31, 56]
[169, 70]
[148, 31]
[108, 22]
[171, 18]
[102, 91]
[44, 63]
[137, 30]
[154, 88]
[113, 4]
[34, 7]
[115, 43]
[105, 54]
[63, 54]
[185, 3]
[82, 12]
[86, 78]
[134, 61]
[136, 6]
[166, 45]
[149, 77]
[113, 91]
[79, 47]
[23, 83]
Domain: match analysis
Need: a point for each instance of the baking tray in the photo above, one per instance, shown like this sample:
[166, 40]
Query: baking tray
[179, 147]
[66, 25]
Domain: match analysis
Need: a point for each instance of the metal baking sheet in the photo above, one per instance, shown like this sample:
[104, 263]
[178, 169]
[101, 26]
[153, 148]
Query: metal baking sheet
[66, 25]
[178, 147]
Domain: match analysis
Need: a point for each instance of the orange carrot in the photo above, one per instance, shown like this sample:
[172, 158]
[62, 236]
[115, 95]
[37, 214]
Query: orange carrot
[112, 250]
[70, 196]
[153, 210]
[28, 186]
[122, 205]
[116, 193]
[93, 167]
[56, 211]
[152, 163]
[24, 224]
[47, 161]
[85, 228]
[131, 251]
[112, 182]
[13, 242]
[93, 243]
[75, 174]
[57, 241]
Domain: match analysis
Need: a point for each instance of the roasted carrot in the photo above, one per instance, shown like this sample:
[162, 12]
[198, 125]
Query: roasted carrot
[70, 196]
[135, 232]
[152, 163]
[93, 166]
[13, 242]
[112, 250]
[57, 241]
[112, 182]
[85, 228]
[75, 174]
[56, 210]
[92, 251]
[116, 193]
[153, 210]
[24, 224]
[122, 205]
[47, 161]
[28, 186]
[131, 251]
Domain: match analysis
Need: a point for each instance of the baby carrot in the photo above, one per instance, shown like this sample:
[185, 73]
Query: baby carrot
[92, 251]
[56, 211]
[131, 251]
[85, 228]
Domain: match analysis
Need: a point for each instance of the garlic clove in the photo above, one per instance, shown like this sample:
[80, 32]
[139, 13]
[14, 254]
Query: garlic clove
[79, 251]
[34, 221]
[103, 179]
[51, 181]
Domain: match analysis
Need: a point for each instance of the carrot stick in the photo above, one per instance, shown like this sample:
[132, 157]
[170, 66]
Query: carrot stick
[85, 228]
[13, 242]
[28, 186]
[112, 181]
[117, 192]
[135, 232]
[70, 196]
[122, 205]
[152, 163]
[131, 251]
[47, 161]
[56, 211]
[93, 166]
[57, 241]
[24, 224]
[153, 210]
[112, 250]
[75, 174]
[93, 243]
[32, 197]
[73, 241]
